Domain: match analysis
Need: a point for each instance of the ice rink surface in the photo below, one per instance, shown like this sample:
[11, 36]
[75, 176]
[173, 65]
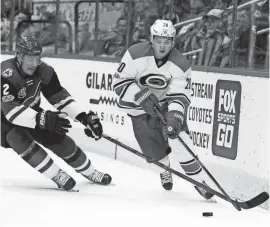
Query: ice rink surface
[135, 198]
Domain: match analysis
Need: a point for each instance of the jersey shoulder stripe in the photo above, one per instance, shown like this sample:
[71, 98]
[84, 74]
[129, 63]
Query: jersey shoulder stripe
[179, 60]
[140, 50]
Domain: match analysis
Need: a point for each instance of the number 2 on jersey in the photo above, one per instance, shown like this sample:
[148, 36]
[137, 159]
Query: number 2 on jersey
[5, 89]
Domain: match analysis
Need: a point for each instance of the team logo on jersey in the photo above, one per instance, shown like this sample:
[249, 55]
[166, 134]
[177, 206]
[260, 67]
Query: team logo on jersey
[7, 98]
[22, 93]
[154, 81]
[7, 72]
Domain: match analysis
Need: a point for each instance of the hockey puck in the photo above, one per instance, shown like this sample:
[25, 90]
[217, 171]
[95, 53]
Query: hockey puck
[207, 214]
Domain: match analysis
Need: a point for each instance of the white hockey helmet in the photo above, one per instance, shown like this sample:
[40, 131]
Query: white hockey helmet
[163, 28]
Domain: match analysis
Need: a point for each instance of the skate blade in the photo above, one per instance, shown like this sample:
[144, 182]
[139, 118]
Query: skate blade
[211, 200]
[72, 190]
[62, 189]
[98, 184]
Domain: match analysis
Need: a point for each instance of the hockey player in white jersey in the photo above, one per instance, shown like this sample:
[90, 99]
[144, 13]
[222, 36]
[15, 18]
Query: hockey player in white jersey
[154, 74]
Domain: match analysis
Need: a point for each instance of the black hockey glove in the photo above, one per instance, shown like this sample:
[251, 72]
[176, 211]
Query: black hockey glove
[174, 124]
[148, 101]
[52, 121]
[92, 123]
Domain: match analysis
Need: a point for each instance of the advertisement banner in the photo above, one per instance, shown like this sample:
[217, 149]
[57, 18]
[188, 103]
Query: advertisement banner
[102, 99]
[200, 113]
[214, 115]
[226, 119]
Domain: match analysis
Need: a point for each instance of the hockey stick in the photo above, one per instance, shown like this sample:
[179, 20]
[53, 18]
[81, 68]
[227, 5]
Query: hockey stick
[235, 203]
[256, 201]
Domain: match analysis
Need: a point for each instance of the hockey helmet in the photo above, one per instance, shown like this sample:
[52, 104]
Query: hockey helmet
[28, 45]
[163, 28]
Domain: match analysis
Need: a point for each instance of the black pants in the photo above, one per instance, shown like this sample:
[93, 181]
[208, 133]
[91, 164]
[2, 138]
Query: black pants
[43, 137]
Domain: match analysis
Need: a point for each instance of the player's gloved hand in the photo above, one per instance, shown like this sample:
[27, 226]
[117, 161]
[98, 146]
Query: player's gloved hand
[148, 101]
[174, 124]
[92, 123]
[52, 121]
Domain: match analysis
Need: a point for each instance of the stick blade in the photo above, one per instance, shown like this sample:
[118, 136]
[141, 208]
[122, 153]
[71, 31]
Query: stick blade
[256, 201]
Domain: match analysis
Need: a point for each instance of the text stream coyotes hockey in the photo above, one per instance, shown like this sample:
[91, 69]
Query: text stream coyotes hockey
[200, 115]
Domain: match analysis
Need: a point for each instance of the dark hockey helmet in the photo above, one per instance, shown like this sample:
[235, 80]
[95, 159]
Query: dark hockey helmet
[28, 45]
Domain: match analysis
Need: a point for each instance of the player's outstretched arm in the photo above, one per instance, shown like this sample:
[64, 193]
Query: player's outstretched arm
[58, 96]
[19, 114]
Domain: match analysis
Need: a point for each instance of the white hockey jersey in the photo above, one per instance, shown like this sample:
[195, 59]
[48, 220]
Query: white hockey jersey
[138, 69]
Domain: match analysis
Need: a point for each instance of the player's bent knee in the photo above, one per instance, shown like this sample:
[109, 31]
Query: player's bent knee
[72, 154]
[22, 142]
[19, 139]
[158, 155]
[64, 148]
[52, 139]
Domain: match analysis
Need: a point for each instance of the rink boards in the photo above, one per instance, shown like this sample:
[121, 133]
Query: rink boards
[228, 120]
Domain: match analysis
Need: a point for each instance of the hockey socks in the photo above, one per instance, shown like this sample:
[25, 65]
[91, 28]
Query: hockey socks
[79, 161]
[191, 167]
[38, 158]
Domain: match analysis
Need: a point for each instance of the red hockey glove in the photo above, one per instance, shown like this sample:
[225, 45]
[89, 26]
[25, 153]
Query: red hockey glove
[52, 121]
[147, 100]
[174, 124]
[93, 126]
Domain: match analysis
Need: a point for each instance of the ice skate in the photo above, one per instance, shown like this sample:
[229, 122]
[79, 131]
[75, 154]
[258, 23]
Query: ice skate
[64, 181]
[99, 177]
[166, 180]
[204, 193]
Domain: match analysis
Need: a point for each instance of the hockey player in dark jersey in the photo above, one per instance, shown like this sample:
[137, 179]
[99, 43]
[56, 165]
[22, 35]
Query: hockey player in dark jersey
[154, 74]
[24, 123]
